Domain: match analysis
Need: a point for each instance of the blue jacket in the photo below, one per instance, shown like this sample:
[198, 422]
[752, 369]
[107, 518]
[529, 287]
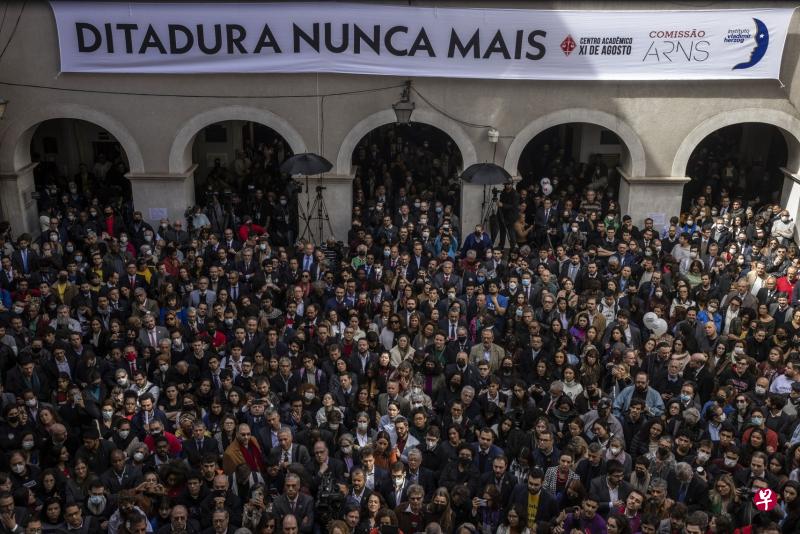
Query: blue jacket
[654, 403]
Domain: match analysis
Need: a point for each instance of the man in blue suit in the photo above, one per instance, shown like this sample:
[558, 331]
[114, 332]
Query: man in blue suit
[485, 451]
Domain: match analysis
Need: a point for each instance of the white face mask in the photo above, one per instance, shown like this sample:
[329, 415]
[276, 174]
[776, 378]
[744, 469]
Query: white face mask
[27, 445]
[615, 450]
[124, 434]
[703, 456]
[138, 456]
[18, 468]
[729, 462]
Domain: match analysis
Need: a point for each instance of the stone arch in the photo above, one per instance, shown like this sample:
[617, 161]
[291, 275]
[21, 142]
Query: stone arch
[787, 124]
[376, 120]
[633, 163]
[180, 155]
[16, 141]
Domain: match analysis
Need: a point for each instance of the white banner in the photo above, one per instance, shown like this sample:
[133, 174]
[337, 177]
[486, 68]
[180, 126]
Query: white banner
[112, 37]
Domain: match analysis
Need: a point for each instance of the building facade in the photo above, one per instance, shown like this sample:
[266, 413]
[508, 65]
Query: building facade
[156, 118]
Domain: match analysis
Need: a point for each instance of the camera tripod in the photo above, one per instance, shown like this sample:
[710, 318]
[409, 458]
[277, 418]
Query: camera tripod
[488, 208]
[322, 216]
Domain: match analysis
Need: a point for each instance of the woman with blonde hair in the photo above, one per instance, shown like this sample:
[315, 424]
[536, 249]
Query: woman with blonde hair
[723, 498]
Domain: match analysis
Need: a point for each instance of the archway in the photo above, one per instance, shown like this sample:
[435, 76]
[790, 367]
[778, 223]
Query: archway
[581, 152]
[421, 161]
[787, 125]
[237, 156]
[344, 158]
[79, 159]
[743, 160]
[588, 133]
[18, 201]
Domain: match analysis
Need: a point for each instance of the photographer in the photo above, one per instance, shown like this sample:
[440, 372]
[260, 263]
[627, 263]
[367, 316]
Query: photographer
[508, 210]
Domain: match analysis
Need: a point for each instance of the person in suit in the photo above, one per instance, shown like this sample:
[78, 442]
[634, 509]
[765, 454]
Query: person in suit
[395, 488]
[632, 333]
[202, 294]
[447, 278]
[27, 376]
[375, 478]
[495, 352]
[485, 451]
[293, 502]
[452, 323]
[287, 452]
[504, 481]
[359, 493]
[417, 474]
[121, 476]
[24, 260]
[323, 466]
[151, 334]
[529, 492]
[393, 394]
[199, 445]
[612, 484]
[683, 485]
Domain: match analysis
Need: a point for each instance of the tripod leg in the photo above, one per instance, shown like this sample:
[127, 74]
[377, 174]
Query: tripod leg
[307, 227]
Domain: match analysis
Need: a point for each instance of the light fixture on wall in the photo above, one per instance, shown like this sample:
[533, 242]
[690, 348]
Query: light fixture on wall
[494, 135]
[3, 104]
[404, 108]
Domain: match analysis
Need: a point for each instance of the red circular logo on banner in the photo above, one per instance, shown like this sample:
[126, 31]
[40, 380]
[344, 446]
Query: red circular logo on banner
[765, 500]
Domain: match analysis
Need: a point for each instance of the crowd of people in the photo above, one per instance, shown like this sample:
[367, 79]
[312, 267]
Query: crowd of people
[210, 374]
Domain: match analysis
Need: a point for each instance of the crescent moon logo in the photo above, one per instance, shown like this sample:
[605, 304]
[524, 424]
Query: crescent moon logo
[758, 52]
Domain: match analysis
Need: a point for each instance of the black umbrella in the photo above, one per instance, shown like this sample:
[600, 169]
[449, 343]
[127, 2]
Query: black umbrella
[307, 163]
[485, 174]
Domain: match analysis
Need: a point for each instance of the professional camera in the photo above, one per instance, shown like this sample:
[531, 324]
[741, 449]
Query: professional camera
[329, 500]
[320, 188]
[495, 192]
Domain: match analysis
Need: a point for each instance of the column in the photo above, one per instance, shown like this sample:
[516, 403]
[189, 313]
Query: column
[657, 197]
[159, 195]
[329, 208]
[17, 202]
[472, 202]
[790, 198]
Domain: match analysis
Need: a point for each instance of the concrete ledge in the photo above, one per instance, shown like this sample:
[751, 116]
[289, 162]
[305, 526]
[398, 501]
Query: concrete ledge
[672, 180]
[162, 176]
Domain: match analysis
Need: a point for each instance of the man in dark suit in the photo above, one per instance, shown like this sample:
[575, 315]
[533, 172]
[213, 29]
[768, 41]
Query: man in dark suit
[287, 452]
[200, 445]
[393, 394]
[324, 467]
[27, 375]
[683, 485]
[359, 493]
[362, 359]
[120, 476]
[504, 481]
[293, 502]
[529, 490]
[485, 451]
[374, 477]
[24, 260]
[417, 474]
[601, 488]
[395, 489]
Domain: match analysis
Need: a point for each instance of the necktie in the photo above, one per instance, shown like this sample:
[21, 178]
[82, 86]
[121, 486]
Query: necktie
[546, 215]
[133, 282]
[286, 457]
[682, 492]
[203, 297]
[217, 382]
[307, 264]
[447, 278]
[199, 444]
[235, 292]
[153, 338]
[25, 261]
[452, 331]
